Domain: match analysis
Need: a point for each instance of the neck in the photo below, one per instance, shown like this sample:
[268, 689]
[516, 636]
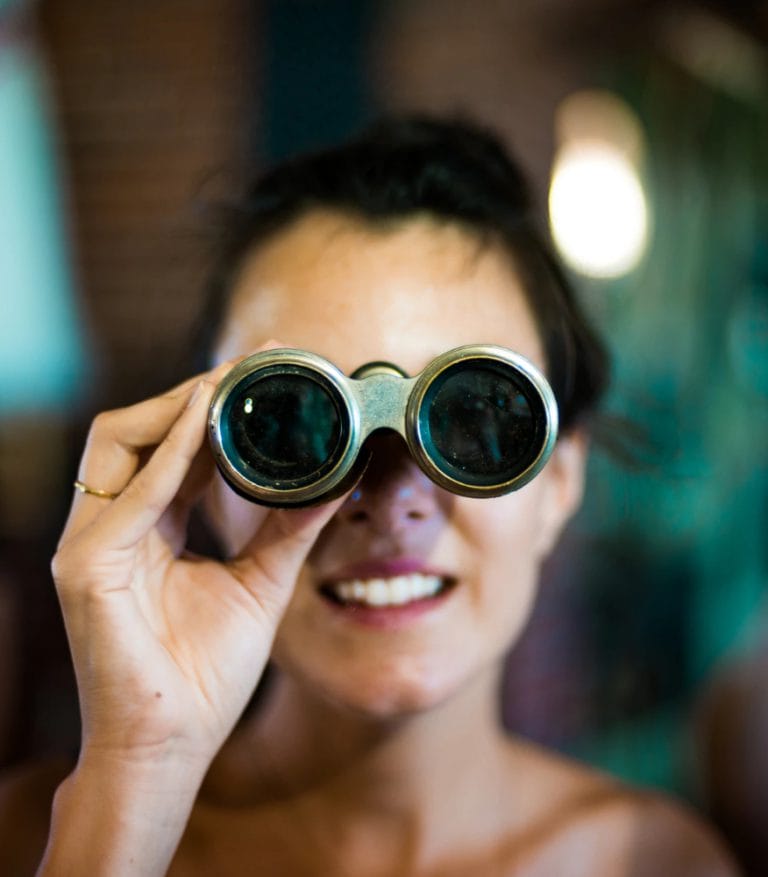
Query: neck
[414, 775]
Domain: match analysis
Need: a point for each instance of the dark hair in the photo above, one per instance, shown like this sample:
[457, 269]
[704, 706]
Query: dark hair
[453, 171]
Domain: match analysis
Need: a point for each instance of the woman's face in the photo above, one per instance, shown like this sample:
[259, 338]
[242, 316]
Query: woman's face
[355, 293]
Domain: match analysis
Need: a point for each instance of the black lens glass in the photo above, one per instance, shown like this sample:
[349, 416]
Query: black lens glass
[285, 426]
[483, 423]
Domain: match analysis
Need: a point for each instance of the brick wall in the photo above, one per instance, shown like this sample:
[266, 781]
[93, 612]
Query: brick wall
[153, 101]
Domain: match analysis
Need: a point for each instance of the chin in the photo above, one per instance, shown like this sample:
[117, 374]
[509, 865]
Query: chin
[392, 689]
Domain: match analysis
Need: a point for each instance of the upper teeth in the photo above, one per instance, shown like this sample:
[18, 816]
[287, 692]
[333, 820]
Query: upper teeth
[388, 592]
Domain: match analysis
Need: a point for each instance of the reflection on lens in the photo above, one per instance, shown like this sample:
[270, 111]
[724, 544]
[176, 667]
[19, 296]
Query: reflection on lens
[284, 427]
[482, 423]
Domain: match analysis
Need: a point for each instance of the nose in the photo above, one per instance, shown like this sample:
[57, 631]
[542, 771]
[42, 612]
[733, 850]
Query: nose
[394, 495]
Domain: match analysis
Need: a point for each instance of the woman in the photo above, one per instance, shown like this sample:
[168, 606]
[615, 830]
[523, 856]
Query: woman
[377, 750]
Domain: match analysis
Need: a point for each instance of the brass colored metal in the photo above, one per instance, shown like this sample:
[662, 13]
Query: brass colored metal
[94, 491]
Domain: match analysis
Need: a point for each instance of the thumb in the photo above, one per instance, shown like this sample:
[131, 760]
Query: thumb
[269, 564]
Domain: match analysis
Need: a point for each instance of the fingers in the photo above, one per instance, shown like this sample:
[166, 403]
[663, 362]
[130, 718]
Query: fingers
[174, 523]
[116, 442]
[116, 437]
[197, 479]
[151, 491]
[147, 490]
[269, 564]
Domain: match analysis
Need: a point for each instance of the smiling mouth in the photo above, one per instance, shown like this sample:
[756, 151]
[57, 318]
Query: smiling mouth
[378, 593]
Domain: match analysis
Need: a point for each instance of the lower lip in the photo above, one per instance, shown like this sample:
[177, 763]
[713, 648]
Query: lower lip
[389, 617]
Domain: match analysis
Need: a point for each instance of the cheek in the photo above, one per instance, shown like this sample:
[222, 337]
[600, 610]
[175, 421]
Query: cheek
[502, 539]
[505, 532]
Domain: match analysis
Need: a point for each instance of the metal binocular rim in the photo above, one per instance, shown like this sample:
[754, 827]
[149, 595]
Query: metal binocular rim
[377, 396]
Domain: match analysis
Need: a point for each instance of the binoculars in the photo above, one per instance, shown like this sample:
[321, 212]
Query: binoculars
[287, 428]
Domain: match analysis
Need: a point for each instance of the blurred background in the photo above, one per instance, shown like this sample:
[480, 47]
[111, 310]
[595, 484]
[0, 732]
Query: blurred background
[642, 124]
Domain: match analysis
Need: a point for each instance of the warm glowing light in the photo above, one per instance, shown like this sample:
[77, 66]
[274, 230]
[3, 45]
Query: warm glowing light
[597, 207]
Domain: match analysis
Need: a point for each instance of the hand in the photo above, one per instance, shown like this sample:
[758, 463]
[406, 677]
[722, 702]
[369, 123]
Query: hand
[167, 647]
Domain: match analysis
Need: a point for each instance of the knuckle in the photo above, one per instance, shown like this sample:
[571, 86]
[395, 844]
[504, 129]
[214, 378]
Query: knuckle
[103, 425]
[58, 566]
[101, 421]
[66, 566]
[137, 493]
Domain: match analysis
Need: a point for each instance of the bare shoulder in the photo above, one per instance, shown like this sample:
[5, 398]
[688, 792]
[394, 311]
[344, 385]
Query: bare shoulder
[26, 796]
[664, 836]
[595, 825]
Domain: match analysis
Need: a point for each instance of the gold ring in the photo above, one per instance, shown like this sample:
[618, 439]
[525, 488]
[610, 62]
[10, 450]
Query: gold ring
[94, 491]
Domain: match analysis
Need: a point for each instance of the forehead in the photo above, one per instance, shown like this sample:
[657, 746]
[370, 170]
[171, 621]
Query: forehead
[355, 292]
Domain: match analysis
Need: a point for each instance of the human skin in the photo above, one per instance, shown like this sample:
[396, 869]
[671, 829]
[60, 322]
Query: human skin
[355, 295]
[378, 750]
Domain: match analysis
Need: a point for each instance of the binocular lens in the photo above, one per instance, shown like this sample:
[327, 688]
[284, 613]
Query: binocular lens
[288, 428]
[285, 425]
[481, 424]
